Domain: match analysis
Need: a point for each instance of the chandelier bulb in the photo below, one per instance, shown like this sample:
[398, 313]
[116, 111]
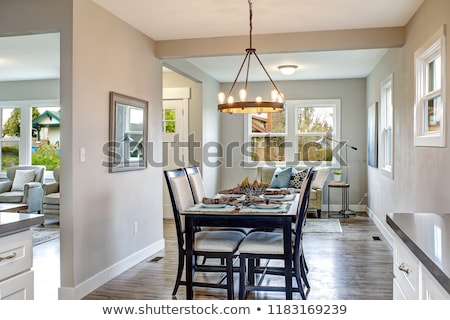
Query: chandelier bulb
[258, 99]
[221, 97]
[242, 95]
[230, 99]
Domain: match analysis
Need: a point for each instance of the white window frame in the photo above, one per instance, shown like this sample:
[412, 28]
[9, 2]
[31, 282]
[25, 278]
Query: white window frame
[25, 140]
[387, 124]
[434, 47]
[291, 134]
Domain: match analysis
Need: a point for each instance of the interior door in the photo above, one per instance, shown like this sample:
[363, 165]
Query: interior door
[175, 131]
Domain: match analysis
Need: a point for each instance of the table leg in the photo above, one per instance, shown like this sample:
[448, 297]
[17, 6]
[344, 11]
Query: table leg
[287, 258]
[189, 257]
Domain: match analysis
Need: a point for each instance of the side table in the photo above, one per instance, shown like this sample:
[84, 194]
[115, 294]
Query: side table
[344, 190]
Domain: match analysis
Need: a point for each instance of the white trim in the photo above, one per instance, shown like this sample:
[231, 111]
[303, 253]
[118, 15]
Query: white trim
[81, 290]
[386, 84]
[433, 47]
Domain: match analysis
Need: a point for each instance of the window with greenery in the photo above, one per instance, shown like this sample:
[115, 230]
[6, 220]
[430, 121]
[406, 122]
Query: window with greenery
[430, 96]
[292, 136]
[386, 124]
[30, 134]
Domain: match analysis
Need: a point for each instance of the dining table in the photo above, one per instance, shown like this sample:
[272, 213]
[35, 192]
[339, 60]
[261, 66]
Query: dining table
[245, 215]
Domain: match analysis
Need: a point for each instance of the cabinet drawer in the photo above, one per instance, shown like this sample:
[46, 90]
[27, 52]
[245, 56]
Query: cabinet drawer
[16, 254]
[18, 288]
[406, 271]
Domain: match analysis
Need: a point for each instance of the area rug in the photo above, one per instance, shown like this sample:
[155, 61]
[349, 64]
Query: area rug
[322, 226]
[41, 235]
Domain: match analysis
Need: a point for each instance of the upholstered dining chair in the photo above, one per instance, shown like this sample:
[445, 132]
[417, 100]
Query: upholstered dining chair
[269, 245]
[198, 192]
[211, 244]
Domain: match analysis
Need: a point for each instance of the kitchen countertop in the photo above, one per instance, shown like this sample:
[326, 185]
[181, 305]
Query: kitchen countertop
[427, 235]
[12, 222]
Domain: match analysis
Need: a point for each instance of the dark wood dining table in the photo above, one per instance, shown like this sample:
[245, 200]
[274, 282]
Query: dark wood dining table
[240, 217]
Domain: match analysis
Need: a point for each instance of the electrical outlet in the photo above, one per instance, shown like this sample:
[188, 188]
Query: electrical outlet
[365, 195]
[135, 229]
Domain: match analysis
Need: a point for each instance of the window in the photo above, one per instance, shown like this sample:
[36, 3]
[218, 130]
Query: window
[430, 96]
[386, 124]
[30, 134]
[292, 136]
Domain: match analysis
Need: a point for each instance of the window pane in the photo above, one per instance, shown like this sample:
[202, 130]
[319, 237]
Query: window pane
[169, 121]
[310, 150]
[10, 154]
[315, 119]
[269, 123]
[388, 147]
[268, 149]
[46, 137]
[433, 116]
[434, 75]
[11, 122]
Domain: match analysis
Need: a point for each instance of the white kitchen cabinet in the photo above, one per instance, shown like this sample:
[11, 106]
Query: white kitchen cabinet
[16, 260]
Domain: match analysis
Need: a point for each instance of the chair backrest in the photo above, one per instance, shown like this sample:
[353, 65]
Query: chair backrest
[180, 197]
[39, 176]
[196, 182]
[303, 208]
[56, 174]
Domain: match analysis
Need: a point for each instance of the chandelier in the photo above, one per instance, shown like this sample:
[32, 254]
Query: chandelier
[227, 103]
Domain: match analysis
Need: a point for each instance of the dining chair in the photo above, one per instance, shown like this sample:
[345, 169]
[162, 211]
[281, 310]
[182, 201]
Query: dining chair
[198, 192]
[269, 245]
[210, 244]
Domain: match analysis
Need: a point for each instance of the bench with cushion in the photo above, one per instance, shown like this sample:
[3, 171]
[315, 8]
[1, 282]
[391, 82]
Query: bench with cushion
[265, 174]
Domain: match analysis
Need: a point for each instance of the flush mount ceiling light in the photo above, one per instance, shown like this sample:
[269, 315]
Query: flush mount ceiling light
[288, 69]
[227, 103]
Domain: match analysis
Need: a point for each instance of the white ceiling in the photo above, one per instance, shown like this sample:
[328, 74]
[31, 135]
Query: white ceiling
[37, 57]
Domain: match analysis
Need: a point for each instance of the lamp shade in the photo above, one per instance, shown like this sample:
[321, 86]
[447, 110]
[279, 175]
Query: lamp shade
[287, 69]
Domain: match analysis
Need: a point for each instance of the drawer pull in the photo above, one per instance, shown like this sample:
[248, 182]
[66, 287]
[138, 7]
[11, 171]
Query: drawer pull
[11, 256]
[404, 268]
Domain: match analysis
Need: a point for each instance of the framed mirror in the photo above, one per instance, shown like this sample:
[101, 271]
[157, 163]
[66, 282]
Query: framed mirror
[128, 133]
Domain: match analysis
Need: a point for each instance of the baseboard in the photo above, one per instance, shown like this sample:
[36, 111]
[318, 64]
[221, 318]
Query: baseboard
[81, 290]
[381, 226]
[338, 207]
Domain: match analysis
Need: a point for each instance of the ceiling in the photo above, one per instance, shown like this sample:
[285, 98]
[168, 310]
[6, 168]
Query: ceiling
[37, 57]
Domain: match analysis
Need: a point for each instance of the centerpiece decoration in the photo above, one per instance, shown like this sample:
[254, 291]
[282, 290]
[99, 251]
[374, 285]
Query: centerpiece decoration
[253, 190]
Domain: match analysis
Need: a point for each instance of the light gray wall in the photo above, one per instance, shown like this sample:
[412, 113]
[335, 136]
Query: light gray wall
[353, 128]
[99, 54]
[421, 174]
[29, 90]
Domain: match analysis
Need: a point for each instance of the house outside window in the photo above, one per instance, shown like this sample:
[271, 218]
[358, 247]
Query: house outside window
[430, 97]
[387, 138]
[291, 137]
[30, 134]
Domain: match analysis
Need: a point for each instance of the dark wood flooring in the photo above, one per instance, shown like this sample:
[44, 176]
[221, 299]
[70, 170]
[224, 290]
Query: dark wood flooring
[353, 265]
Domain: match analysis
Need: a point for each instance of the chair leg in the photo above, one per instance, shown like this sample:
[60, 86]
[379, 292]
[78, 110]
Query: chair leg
[242, 279]
[181, 259]
[303, 271]
[230, 280]
[297, 272]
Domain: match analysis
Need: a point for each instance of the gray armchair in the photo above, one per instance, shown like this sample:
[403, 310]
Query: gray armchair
[50, 203]
[23, 185]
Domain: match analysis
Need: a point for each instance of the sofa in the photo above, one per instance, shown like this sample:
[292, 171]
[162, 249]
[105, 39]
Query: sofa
[23, 185]
[265, 174]
[50, 202]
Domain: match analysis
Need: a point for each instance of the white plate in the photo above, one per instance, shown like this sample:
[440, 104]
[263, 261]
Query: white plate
[268, 206]
[274, 196]
[213, 205]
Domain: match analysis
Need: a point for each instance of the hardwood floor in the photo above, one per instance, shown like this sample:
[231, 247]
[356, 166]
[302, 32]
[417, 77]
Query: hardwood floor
[353, 265]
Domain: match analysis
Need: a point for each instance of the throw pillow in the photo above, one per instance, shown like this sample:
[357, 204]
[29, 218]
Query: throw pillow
[21, 178]
[297, 178]
[281, 178]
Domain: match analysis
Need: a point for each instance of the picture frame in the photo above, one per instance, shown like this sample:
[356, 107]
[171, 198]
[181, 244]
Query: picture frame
[128, 133]
[372, 135]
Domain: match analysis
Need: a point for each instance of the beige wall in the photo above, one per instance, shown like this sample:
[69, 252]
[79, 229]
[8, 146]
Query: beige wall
[421, 174]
